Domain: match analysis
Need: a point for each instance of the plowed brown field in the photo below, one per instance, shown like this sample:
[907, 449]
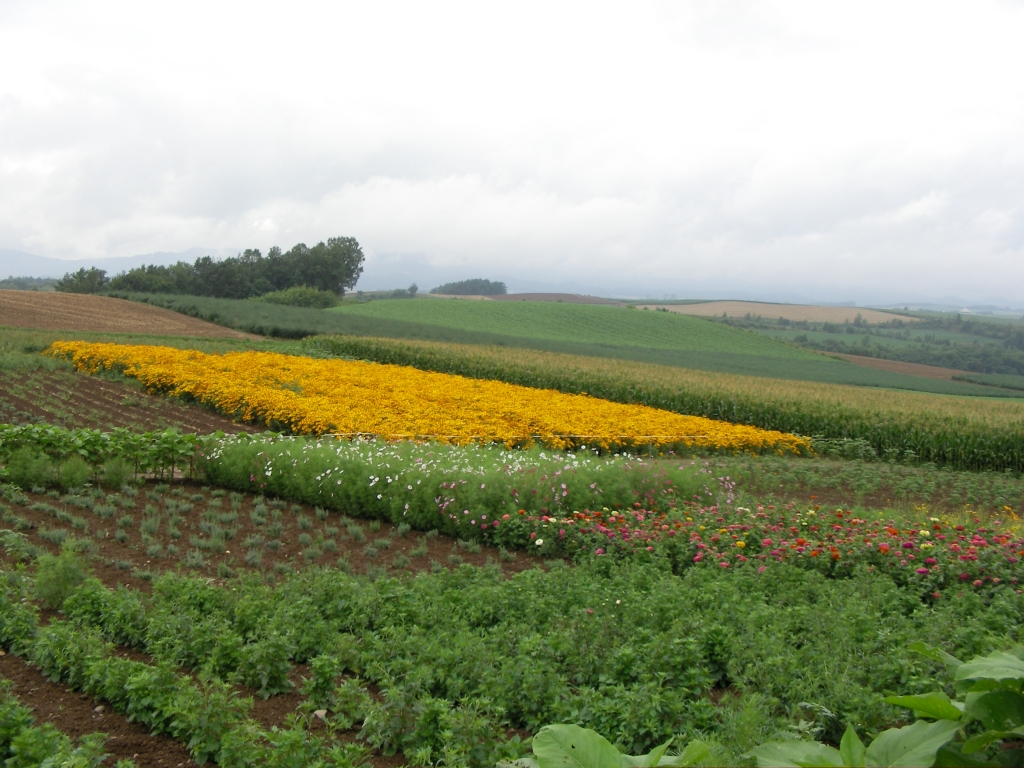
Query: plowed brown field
[75, 400]
[78, 312]
[912, 369]
[794, 312]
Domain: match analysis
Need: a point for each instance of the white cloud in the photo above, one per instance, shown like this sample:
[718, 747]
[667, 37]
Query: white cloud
[759, 146]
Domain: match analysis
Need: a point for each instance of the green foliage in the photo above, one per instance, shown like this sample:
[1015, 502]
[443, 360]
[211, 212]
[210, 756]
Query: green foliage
[302, 296]
[30, 452]
[91, 280]
[28, 284]
[993, 348]
[27, 467]
[264, 666]
[57, 576]
[73, 473]
[462, 491]
[475, 287]
[333, 266]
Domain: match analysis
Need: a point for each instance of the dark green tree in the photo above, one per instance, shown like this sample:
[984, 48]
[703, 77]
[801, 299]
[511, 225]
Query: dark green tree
[83, 281]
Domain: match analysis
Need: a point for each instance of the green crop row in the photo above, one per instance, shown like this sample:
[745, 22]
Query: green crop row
[206, 714]
[462, 491]
[42, 455]
[459, 657]
[963, 433]
[25, 745]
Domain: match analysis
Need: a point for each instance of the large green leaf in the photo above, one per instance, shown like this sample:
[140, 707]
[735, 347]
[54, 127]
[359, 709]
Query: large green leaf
[695, 752]
[996, 666]
[913, 745]
[851, 748]
[952, 662]
[569, 746]
[795, 754]
[649, 760]
[950, 756]
[998, 710]
[936, 705]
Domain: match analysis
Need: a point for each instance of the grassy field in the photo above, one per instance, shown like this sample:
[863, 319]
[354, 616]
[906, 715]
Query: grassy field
[762, 357]
[577, 323]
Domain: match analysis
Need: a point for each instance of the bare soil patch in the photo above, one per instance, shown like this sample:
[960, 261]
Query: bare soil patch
[78, 312]
[912, 369]
[72, 400]
[794, 312]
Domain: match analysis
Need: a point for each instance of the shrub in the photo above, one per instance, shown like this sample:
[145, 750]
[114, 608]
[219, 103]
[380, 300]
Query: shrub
[73, 473]
[302, 296]
[116, 473]
[28, 468]
[57, 576]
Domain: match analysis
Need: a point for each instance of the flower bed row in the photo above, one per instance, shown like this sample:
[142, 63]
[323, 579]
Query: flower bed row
[314, 396]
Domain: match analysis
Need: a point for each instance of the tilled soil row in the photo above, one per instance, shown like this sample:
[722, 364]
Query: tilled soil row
[83, 312]
[77, 400]
[122, 562]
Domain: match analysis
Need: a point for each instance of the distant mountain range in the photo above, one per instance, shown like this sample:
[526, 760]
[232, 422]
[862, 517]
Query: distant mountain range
[21, 264]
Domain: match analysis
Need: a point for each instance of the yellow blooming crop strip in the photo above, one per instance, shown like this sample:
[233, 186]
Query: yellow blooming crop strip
[314, 396]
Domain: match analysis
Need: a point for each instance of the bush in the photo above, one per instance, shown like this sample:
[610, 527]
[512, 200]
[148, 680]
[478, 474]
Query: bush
[476, 287]
[117, 472]
[57, 576]
[302, 296]
[28, 468]
[73, 473]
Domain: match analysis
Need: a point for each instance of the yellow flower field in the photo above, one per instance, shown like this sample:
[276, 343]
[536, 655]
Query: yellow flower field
[312, 396]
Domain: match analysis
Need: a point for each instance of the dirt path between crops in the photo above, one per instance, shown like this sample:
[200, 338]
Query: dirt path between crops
[79, 312]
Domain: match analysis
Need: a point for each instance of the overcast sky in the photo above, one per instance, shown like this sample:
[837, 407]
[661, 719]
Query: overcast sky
[863, 150]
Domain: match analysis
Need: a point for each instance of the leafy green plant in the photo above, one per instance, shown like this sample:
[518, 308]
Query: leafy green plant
[73, 473]
[570, 746]
[57, 576]
[28, 468]
[949, 732]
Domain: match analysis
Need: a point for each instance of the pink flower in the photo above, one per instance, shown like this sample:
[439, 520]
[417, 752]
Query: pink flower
[650, 549]
[762, 569]
[766, 542]
[977, 582]
[599, 551]
[922, 571]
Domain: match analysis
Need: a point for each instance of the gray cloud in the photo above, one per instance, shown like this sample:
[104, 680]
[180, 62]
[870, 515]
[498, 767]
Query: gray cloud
[867, 152]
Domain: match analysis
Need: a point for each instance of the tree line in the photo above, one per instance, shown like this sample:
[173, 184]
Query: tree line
[333, 266]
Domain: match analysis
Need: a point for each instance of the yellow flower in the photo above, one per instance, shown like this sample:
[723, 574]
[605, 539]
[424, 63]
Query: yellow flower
[354, 398]
[741, 544]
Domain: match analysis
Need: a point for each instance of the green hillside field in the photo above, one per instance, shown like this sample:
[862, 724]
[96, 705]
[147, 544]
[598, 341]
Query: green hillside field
[700, 345]
[580, 324]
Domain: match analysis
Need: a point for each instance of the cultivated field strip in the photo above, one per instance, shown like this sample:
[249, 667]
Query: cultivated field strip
[960, 432]
[74, 400]
[315, 396]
